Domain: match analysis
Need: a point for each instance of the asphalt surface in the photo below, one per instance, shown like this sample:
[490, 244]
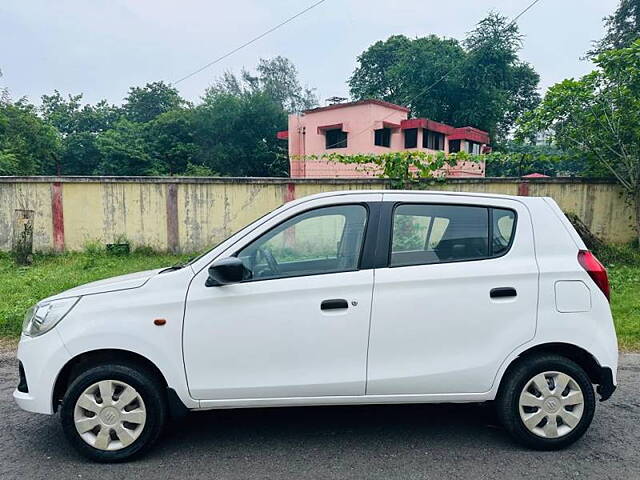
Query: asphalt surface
[373, 442]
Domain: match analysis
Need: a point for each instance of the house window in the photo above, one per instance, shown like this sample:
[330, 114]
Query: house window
[335, 138]
[411, 138]
[454, 146]
[473, 147]
[432, 140]
[382, 137]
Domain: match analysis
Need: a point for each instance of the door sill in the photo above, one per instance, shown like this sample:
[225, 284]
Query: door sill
[345, 400]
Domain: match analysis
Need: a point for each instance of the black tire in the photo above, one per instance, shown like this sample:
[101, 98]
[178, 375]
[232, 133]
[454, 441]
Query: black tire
[507, 402]
[144, 382]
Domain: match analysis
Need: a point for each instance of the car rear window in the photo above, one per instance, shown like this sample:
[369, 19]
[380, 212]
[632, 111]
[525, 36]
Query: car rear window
[427, 233]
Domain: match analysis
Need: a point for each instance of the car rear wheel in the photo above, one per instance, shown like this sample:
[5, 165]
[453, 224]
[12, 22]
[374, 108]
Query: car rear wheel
[111, 413]
[546, 402]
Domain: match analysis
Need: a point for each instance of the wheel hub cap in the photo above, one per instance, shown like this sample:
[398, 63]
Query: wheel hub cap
[551, 404]
[110, 415]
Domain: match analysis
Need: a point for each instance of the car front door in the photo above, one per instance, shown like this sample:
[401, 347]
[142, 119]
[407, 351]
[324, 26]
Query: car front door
[299, 326]
[458, 294]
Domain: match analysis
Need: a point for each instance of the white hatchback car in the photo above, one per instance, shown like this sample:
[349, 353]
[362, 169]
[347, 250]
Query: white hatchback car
[365, 297]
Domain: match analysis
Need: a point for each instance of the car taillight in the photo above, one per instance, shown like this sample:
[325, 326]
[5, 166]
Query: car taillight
[595, 270]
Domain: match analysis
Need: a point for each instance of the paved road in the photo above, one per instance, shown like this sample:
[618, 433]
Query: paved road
[375, 442]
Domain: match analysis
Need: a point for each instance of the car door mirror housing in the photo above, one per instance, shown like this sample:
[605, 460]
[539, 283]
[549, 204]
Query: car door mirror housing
[226, 271]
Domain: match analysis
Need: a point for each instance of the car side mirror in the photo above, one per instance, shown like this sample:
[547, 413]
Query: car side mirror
[226, 271]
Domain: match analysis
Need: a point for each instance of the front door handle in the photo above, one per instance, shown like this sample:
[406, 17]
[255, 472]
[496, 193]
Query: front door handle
[334, 304]
[503, 292]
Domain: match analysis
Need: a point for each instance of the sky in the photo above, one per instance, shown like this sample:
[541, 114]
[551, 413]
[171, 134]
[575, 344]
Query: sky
[102, 47]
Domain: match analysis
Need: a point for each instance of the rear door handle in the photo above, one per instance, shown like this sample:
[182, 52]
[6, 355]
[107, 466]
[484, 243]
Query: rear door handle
[334, 304]
[503, 292]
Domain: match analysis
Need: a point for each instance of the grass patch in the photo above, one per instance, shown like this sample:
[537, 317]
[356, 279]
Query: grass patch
[21, 287]
[625, 304]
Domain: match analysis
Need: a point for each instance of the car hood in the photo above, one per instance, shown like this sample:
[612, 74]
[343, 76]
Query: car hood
[121, 282]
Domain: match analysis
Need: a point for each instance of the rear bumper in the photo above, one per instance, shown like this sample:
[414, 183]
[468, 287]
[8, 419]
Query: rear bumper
[606, 387]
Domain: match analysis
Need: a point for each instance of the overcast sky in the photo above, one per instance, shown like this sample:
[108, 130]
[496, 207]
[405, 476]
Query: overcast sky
[102, 47]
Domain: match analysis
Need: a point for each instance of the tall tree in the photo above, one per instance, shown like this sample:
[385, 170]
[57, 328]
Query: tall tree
[503, 87]
[124, 151]
[481, 82]
[79, 126]
[598, 115]
[622, 28]
[235, 133]
[170, 140]
[143, 104]
[376, 75]
[277, 78]
[28, 146]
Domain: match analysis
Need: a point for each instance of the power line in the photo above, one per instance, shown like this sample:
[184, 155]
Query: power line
[429, 87]
[246, 44]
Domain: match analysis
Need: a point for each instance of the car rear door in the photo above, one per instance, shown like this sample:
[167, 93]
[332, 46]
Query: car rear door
[458, 293]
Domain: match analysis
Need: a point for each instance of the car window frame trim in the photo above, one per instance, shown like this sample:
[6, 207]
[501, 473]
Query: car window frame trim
[370, 230]
[389, 234]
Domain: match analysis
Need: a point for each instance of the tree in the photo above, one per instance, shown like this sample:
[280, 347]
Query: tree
[623, 28]
[376, 75]
[479, 82]
[143, 104]
[277, 78]
[170, 140]
[79, 126]
[235, 134]
[123, 151]
[598, 115]
[28, 146]
[503, 87]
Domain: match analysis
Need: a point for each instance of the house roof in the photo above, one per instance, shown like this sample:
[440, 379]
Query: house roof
[535, 175]
[428, 124]
[470, 133]
[359, 102]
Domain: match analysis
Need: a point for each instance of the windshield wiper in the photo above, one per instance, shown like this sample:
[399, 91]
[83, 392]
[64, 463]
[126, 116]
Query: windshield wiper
[172, 268]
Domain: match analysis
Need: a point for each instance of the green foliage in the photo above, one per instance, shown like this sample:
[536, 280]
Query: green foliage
[404, 168]
[170, 140]
[28, 146]
[144, 104]
[616, 255]
[515, 159]
[123, 150]
[236, 133]
[199, 171]
[480, 82]
[278, 78]
[598, 116]
[622, 28]
[157, 132]
[625, 304]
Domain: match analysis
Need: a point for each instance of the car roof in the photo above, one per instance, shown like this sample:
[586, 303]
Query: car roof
[338, 193]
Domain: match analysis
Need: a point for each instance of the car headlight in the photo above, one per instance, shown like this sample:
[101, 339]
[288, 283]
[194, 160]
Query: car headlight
[43, 317]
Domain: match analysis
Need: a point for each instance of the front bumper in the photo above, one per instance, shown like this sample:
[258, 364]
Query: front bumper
[42, 359]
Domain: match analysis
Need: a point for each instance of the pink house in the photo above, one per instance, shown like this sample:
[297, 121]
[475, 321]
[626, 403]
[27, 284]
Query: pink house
[373, 126]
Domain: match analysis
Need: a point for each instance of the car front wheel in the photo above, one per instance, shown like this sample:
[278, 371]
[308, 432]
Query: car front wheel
[111, 413]
[546, 402]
